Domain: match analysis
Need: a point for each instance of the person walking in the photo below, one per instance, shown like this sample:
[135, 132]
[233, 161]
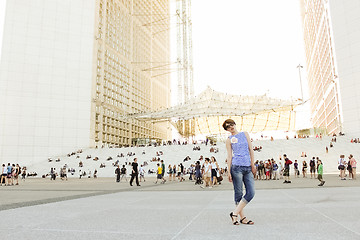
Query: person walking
[23, 174]
[320, 173]
[163, 168]
[240, 160]
[135, 172]
[142, 173]
[198, 173]
[214, 171]
[159, 174]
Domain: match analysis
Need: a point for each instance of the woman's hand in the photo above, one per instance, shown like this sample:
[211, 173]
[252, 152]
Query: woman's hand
[253, 170]
[229, 177]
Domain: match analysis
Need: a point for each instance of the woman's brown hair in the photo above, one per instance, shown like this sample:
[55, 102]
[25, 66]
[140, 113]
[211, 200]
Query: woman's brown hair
[228, 121]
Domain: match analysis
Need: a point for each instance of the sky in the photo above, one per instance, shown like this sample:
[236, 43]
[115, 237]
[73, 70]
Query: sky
[248, 47]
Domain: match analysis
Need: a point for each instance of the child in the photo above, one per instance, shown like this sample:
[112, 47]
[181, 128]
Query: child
[320, 173]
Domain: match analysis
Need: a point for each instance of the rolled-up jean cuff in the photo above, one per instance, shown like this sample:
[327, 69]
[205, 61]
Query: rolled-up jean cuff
[244, 201]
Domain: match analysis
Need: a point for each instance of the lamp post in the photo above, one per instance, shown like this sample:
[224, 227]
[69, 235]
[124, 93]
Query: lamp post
[300, 67]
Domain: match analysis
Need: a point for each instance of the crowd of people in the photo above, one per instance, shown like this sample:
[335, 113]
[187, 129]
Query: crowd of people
[202, 171]
[206, 174]
[10, 174]
[347, 165]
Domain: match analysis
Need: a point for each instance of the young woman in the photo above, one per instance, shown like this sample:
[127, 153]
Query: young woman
[240, 160]
[3, 174]
[174, 172]
[304, 168]
[170, 171]
[342, 167]
[353, 165]
[214, 170]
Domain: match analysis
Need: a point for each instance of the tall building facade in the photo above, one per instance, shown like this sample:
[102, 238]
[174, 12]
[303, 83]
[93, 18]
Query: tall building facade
[332, 46]
[72, 69]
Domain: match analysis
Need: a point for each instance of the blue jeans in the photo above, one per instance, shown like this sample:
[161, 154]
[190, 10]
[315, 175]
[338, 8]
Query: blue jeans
[242, 175]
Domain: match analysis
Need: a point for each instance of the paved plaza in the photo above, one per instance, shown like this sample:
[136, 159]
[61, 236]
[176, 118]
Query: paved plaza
[102, 209]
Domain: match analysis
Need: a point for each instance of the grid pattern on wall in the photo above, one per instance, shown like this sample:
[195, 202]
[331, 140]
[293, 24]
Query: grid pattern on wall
[321, 66]
[132, 52]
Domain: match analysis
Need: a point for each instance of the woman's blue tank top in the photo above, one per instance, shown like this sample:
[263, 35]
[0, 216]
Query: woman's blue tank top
[240, 148]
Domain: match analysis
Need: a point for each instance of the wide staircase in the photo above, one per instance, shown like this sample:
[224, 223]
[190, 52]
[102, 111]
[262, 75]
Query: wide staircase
[175, 154]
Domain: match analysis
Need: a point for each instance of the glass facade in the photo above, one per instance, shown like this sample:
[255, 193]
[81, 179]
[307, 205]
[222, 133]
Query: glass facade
[132, 50]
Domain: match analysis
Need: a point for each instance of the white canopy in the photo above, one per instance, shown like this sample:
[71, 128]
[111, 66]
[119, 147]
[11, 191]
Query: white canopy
[210, 108]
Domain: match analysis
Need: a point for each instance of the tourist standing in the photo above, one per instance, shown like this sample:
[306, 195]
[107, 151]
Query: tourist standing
[134, 173]
[9, 175]
[181, 172]
[123, 172]
[349, 168]
[240, 160]
[275, 168]
[341, 167]
[296, 168]
[174, 172]
[353, 165]
[261, 169]
[207, 174]
[267, 170]
[287, 164]
[3, 174]
[170, 172]
[304, 168]
[312, 167]
[118, 173]
[17, 173]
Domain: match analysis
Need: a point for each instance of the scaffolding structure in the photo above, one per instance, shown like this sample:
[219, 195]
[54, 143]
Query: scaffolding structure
[185, 79]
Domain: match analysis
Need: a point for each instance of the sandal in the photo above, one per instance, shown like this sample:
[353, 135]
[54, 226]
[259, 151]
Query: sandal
[233, 219]
[248, 222]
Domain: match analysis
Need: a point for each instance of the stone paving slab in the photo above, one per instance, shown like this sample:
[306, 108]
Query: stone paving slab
[39, 191]
[152, 212]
